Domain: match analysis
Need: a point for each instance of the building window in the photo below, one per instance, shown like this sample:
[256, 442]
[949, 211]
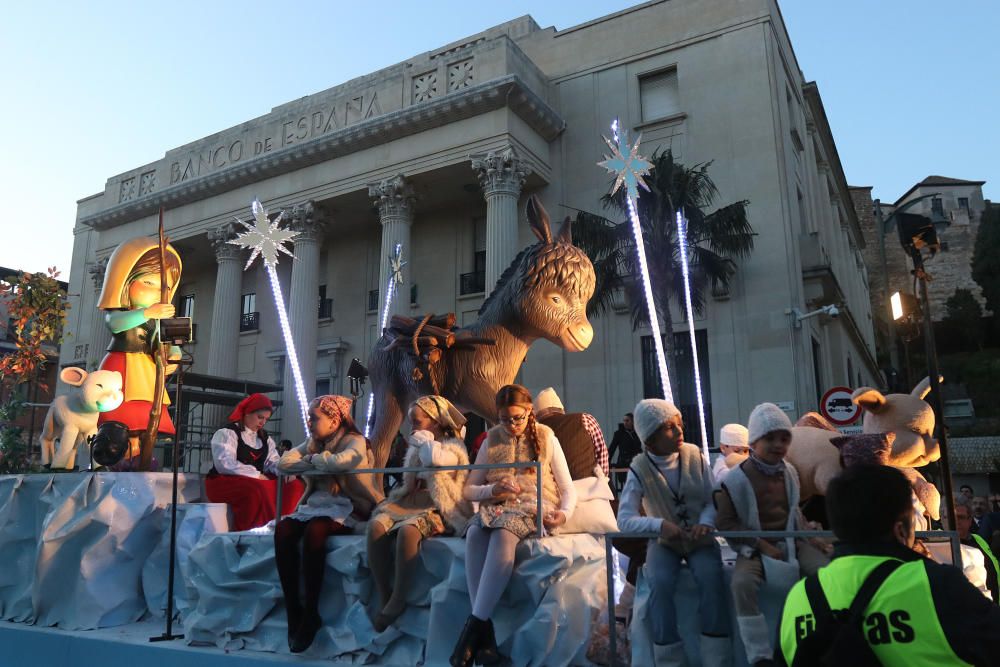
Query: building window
[413, 294]
[686, 398]
[850, 371]
[658, 96]
[325, 304]
[187, 306]
[963, 203]
[249, 317]
[372, 300]
[322, 387]
[817, 374]
[475, 281]
[937, 206]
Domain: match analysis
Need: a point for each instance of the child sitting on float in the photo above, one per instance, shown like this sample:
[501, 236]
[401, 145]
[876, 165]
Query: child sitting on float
[762, 493]
[671, 481]
[425, 505]
[507, 513]
[243, 474]
[733, 448]
[332, 504]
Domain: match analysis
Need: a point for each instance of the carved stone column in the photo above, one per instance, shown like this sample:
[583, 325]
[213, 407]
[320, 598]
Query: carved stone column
[501, 175]
[394, 199]
[100, 335]
[303, 313]
[223, 346]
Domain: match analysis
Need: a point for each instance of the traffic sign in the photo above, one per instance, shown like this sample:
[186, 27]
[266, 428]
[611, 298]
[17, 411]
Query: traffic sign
[838, 407]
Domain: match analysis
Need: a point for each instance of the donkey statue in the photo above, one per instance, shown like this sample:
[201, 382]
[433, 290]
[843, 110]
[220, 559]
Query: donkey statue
[542, 294]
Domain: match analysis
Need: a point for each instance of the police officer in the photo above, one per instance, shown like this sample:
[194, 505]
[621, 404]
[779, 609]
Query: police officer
[922, 613]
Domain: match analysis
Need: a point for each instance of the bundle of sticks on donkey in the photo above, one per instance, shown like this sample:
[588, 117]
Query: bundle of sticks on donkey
[542, 294]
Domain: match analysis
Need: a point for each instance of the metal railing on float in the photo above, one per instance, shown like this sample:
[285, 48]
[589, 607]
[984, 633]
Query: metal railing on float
[417, 469]
[609, 560]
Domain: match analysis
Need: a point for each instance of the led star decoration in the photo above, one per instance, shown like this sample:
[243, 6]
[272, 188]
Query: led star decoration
[265, 237]
[629, 171]
[396, 265]
[625, 163]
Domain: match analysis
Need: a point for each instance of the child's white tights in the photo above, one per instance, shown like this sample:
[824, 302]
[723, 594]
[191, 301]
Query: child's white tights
[489, 562]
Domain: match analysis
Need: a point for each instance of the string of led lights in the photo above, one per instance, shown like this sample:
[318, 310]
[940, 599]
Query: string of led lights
[395, 276]
[683, 250]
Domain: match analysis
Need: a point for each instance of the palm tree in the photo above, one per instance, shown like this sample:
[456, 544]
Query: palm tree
[715, 241]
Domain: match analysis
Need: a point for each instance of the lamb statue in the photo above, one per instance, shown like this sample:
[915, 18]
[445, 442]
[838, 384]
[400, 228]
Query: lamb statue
[72, 417]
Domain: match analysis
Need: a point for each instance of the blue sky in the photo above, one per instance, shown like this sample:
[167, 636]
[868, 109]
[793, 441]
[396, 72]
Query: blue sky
[94, 89]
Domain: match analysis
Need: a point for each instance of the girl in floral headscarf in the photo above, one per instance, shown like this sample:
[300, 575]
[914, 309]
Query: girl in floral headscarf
[333, 503]
[426, 504]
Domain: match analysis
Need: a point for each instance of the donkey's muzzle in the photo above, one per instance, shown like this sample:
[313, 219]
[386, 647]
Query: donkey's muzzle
[578, 337]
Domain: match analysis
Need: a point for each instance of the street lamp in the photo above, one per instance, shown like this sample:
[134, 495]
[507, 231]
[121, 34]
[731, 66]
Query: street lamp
[882, 225]
[916, 233]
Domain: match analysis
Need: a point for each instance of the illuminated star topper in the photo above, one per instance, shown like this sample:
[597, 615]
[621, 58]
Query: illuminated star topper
[264, 237]
[396, 265]
[626, 163]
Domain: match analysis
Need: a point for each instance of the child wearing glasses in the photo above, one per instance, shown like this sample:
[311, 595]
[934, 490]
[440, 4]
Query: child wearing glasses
[424, 505]
[670, 480]
[507, 513]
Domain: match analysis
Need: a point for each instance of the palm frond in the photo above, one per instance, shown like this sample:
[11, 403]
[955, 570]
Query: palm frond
[715, 240]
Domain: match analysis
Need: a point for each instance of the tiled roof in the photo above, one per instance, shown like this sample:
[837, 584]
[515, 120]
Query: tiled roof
[937, 181]
[945, 180]
[974, 455]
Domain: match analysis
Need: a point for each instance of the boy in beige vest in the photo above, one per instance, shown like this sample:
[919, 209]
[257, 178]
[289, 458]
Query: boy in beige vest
[762, 493]
[671, 481]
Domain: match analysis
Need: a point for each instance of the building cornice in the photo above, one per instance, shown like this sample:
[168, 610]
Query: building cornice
[811, 93]
[508, 91]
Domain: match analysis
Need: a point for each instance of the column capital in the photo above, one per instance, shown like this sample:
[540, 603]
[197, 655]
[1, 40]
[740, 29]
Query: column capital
[308, 220]
[220, 238]
[500, 171]
[97, 271]
[393, 197]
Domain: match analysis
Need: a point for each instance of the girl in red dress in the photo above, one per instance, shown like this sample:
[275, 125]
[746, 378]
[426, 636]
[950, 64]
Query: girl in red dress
[245, 457]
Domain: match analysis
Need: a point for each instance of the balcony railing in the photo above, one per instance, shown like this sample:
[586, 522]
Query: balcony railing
[250, 322]
[472, 283]
[325, 309]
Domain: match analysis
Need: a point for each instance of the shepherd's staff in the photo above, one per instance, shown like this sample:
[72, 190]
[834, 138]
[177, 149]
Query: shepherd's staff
[148, 438]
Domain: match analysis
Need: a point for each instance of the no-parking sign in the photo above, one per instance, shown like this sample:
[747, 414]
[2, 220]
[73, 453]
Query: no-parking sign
[838, 407]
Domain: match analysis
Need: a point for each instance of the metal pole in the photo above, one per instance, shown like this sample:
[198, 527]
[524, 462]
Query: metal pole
[936, 403]
[277, 499]
[538, 500]
[168, 634]
[612, 621]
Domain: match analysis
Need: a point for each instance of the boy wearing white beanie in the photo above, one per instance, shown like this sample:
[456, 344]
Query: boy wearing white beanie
[762, 493]
[735, 449]
[671, 481]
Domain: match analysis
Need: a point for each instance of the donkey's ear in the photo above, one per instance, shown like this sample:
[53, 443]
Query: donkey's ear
[538, 219]
[565, 234]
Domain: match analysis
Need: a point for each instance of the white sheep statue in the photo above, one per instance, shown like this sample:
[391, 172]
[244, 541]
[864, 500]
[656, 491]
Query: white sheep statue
[72, 417]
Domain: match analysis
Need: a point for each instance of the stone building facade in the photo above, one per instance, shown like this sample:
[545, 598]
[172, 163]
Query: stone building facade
[961, 204]
[438, 154]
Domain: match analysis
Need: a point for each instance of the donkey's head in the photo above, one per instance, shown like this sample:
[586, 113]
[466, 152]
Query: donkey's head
[547, 286]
